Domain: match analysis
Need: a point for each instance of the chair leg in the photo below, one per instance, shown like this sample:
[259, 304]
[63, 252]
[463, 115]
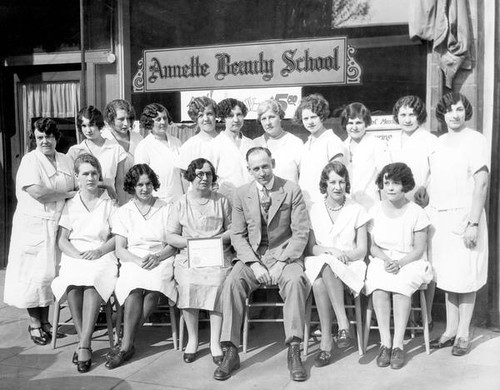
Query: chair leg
[55, 322]
[412, 318]
[307, 324]
[425, 321]
[173, 326]
[245, 325]
[368, 320]
[181, 331]
[109, 321]
[359, 324]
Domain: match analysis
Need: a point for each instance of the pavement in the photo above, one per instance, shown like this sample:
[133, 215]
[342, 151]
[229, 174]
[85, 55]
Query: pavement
[157, 366]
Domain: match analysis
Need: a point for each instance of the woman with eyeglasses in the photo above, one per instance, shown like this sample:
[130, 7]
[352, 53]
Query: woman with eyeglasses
[201, 213]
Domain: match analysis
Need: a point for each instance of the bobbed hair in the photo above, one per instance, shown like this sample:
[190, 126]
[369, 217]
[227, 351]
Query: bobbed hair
[134, 174]
[89, 159]
[150, 112]
[340, 169]
[355, 110]
[272, 105]
[92, 114]
[190, 173]
[118, 104]
[399, 172]
[316, 103]
[198, 105]
[225, 107]
[410, 101]
[444, 105]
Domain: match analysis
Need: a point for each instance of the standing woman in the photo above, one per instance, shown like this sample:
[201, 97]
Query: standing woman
[321, 147]
[368, 154]
[285, 147]
[43, 182]
[201, 213]
[88, 262]
[146, 261]
[459, 246]
[111, 156]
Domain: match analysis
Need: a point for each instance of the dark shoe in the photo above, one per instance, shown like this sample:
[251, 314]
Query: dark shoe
[438, 344]
[40, 338]
[190, 357]
[116, 359]
[397, 358]
[114, 350]
[74, 359]
[84, 365]
[47, 328]
[461, 348]
[384, 356]
[230, 363]
[218, 359]
[297, 370]
[344, 338]
[322, 359]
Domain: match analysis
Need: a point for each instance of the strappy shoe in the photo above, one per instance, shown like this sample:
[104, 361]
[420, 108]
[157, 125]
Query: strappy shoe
[41, 338]
[84, 365]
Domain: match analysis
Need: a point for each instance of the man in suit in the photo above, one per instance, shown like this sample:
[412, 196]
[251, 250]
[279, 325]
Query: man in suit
[269, 231]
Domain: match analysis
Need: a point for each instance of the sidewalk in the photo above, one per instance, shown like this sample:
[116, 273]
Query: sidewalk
[156, 365]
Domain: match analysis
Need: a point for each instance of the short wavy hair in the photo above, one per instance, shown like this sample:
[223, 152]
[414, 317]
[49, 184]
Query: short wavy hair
[133, 175]
[353, 111]
[340, 169]
[444, 105]
[256, 149]
[190, 173]
[150, 112]
[198, 105]
[89, 159]
[413, 102]
[44, 125]
[225, 107]
[272, 105]
[118, 104]
[92, 114]
[399, 172]
[316, 103]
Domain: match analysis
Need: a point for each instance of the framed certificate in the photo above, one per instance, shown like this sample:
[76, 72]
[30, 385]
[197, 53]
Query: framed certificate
[205, 252]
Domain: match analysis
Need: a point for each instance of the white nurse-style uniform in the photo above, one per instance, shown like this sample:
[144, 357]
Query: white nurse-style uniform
[195, 147]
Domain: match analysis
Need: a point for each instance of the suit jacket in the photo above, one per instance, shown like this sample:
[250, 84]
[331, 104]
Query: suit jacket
[287, 223]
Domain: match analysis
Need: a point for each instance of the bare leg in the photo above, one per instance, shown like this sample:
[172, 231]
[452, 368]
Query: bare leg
[132, 317]
[150, 303]
[429, 299]
[466, 304]
[324, 307]
[191, 318]
[215, 330]
[75, 302]
[451, 315]
[335, 289]
[91, 305]
[382, 307]
[402, 306]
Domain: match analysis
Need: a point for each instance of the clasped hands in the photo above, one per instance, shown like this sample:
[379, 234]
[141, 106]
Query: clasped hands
[392, 266]
[265, 276]
[339, 255]
[150, 261]
[93, 254]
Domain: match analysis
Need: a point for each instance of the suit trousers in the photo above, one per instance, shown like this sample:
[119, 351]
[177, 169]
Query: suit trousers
[294, 289]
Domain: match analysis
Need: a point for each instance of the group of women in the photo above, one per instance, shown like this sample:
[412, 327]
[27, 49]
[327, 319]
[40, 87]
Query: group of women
[121, 209]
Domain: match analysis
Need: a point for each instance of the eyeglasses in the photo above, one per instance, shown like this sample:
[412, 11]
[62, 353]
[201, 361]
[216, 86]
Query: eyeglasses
[201, 175]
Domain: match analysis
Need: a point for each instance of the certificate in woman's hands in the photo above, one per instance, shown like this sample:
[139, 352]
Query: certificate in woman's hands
[205, 252]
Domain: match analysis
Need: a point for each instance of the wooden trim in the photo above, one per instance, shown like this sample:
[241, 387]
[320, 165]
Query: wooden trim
[70, 57]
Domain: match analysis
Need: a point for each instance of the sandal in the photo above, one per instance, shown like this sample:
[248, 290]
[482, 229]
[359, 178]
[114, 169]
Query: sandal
[49, 330]
[41, 339]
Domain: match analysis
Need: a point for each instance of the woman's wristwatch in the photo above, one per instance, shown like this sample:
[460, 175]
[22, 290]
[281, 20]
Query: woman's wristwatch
[473, 224]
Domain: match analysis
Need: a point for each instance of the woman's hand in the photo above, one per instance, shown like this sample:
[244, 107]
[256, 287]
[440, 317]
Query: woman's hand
[470, 236]
[91, 255]
[333, 252]
[343, 258]
[150, 262]
[392, 266]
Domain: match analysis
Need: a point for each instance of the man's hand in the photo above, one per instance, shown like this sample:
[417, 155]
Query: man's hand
[276, 271]
[261, 273]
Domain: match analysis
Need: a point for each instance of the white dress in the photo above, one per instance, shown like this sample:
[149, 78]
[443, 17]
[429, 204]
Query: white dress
[316, 153]
[367, 161]
[87, 230]
[340, 235]
[195, 147]
[33, 254]
[286, 152]
[109, 156]
[416, 153]
[144, 236]
[135, 138]
[395, 236]
[161, 156]
[453, 165]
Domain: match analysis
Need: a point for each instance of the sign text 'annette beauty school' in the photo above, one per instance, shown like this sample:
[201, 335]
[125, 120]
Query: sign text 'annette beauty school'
[261, 64]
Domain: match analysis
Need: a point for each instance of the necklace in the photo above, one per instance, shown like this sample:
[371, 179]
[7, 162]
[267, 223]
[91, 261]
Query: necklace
[330, 208]
[203, 201]
[140, 208]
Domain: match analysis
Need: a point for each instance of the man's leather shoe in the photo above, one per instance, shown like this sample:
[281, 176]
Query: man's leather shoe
[230, 363]
[297, 370]
[461, 348]
[398, 358]
[384, 356]
[437, 343]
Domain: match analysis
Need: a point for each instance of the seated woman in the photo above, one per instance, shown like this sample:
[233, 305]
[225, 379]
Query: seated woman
[198, 214]
[88, 263]
[338, 243]
[146, 260]
[398, 264]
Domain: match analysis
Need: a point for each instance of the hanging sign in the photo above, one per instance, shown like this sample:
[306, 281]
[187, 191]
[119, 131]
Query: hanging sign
[324, 61]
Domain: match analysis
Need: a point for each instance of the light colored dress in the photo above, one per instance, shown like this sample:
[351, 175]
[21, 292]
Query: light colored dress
[135, 138]
[340, 235]
[33, 254]
[416, 153]
[230, 163]
[88, 230]
[367, 161]
[200, 288]
[144, 236]
[316, 153]
[395, 236]
[161, 156]
[286, 152]
[109, 156]
[195, 147]
[453, 166]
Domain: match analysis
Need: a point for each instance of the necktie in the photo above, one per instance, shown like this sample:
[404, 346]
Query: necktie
[265, 199]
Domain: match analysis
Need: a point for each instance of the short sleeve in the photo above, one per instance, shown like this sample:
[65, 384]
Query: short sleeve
[65, 220]
[422, 220]
[140, 154]
[119, 223]
[371, 219]
[362, 217]
[478, 155]
[173, 224]
[113, 211]
[73, 152]
[28, 173]
[335, 147]
[121, 154]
